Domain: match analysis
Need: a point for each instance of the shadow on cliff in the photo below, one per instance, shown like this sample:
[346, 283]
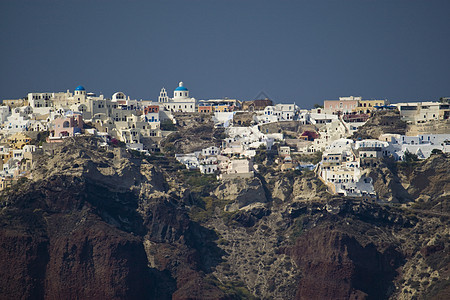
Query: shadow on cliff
[203, 241]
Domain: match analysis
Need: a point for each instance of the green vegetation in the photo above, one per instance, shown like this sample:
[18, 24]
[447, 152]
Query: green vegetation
[261, 156]
[167, 125]
[297, 228]
[265, 160]
[219, 134]
[137, 154]
[40, 138]
[313, 158]
[292, 174]
[169, 148]
[409, 163]
[205, 208]
[233, 289]
[199, 183]
[201, 186]
[410, 157]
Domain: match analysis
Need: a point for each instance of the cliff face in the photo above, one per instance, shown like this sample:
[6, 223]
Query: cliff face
[336, 266]
[424, 181]
[90, 225]
[81, 228]
[67, 250]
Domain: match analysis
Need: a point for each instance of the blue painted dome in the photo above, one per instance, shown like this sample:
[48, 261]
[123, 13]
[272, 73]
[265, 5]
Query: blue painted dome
[80, 88]
[181, 87]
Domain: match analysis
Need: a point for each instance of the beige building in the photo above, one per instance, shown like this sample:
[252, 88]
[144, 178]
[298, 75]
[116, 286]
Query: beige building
[13, 103]
[422, 112]
[367, 106]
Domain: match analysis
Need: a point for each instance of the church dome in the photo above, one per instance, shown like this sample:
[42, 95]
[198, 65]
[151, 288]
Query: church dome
[181, 87]
[80, 88]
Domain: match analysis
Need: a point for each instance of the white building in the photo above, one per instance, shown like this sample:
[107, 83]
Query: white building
[190, 160]
[211, 151]
[362, 188]
[237, 168]
[250, 138]
[277, 113]
[37, 100]
[209, 165]
[17, 121]
[372, 148]
[223, 119]
[422, 112]
[180, 101]
[4, 113]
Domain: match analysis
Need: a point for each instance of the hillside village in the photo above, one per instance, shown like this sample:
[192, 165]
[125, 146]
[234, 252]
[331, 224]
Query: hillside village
[323, 139]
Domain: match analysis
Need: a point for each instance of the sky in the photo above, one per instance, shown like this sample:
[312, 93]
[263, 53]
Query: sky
[301, 52]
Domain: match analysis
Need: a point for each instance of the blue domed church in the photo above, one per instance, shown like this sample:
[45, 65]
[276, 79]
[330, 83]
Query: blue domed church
[181, 102]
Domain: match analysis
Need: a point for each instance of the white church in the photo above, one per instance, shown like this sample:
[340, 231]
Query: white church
[180, 101]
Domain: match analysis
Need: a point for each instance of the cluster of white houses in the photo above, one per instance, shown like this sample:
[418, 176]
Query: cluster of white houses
[344, 160]
[66, 114]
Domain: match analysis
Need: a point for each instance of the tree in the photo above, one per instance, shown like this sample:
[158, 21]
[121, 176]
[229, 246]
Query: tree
[318, 106]
[410, 157]
[436, 151]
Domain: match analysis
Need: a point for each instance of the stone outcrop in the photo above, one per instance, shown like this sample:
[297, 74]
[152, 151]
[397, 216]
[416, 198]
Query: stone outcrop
[424, 181]
[195, 132]
[241, 192]
[381, 122]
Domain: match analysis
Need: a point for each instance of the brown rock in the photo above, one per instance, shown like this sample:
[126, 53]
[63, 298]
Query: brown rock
[335, 265]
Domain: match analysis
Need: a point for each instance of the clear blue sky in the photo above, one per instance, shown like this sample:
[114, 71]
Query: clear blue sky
[294, 51]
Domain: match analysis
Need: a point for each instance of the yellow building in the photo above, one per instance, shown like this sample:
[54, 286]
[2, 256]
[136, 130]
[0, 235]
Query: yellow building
[367, 106]
[18, 140]
[222, 108]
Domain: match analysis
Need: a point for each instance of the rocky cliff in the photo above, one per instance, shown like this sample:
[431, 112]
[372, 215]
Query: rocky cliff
[194, 132]
[381, 122]
[92, 225]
